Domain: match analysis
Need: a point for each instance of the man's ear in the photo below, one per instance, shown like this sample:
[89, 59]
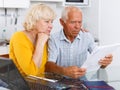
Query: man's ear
[61, 22]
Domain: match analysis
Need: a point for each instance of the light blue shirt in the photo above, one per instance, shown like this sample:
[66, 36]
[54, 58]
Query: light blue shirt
[64, 53]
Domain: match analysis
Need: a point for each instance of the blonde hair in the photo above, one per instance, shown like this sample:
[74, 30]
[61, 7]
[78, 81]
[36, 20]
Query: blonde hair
[36, 13]
[66, 10]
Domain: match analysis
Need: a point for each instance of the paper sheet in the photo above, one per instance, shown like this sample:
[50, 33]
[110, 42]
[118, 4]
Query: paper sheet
[91, 64]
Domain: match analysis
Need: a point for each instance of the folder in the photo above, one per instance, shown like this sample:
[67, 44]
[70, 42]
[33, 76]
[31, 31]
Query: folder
[97, 85]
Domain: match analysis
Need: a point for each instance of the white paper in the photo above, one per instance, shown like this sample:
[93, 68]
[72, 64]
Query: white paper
[91, 64]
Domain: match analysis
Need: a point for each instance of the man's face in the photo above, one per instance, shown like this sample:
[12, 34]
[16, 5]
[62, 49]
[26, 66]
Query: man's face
[73, 24]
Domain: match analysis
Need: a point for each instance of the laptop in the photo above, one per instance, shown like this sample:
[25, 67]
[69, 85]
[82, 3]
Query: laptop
[11, 78]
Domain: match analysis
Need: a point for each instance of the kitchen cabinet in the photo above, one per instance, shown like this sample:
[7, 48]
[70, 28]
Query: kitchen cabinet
[49, 0]
[1, 3]
[56, 2]
[85, 3]
[14, 3]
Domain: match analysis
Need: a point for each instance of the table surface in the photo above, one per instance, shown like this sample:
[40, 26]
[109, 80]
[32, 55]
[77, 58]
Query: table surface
[4, 50]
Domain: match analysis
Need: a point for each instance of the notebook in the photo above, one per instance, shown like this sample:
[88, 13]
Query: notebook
[97, 85]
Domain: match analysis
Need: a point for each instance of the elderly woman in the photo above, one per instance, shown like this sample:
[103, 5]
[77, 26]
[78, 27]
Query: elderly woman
[28, 48]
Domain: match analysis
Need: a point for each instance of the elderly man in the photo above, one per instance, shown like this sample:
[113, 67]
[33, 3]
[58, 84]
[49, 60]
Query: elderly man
[69, 47]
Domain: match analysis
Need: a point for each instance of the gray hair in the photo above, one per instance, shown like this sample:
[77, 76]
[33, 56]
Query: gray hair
[36, 13]
[66, 10]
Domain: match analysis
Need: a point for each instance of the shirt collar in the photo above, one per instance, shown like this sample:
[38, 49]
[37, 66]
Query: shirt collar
[63, 37]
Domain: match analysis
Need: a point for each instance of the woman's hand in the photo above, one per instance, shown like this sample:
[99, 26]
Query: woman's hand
[42, 37]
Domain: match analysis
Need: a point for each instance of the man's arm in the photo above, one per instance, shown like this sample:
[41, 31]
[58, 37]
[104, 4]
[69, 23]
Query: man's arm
[71, 71]
[54, 68]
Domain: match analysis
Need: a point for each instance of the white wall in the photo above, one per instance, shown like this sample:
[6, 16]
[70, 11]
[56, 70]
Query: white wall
[109, 29]
[91, 18]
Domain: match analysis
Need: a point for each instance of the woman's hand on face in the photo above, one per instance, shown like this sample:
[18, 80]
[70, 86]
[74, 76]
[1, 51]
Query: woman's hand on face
[45, 32]
[43, 36]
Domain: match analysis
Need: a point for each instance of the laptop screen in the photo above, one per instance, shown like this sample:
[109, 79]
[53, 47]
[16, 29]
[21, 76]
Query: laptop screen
[10, 77]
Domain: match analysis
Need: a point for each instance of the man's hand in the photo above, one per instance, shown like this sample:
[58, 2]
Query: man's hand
[106, 61]
[74, 71]
[84, 30]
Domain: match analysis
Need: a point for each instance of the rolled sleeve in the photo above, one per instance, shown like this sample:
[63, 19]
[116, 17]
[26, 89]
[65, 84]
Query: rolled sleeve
[52, 50]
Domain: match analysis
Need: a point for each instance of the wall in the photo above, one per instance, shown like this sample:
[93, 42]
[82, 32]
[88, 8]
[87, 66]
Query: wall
[109, 21]
[91, 18]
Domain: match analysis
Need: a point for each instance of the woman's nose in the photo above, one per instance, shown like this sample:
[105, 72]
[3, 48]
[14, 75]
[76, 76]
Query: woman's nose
[50, 25]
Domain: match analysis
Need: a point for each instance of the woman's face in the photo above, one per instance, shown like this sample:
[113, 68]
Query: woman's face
[44, 26]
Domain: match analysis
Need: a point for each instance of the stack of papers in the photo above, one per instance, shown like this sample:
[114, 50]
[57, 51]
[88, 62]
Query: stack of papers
[91, 64]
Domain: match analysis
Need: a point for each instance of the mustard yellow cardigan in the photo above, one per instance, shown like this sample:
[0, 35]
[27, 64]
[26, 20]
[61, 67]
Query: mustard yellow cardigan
[21, 52]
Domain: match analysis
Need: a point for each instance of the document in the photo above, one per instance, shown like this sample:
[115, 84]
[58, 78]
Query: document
[91, 64]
